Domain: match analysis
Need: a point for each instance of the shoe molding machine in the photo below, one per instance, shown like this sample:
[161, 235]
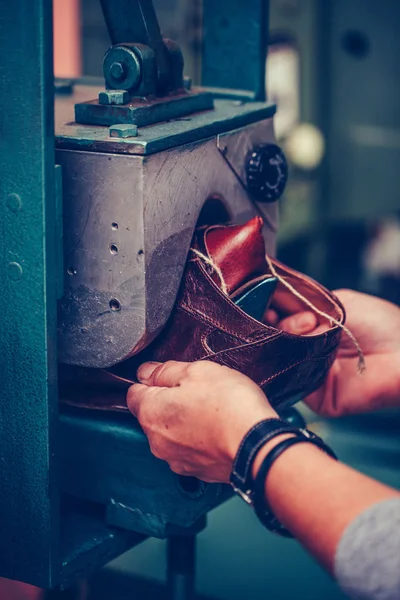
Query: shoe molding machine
[96, 217]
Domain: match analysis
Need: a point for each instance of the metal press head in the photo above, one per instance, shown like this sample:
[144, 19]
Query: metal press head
[142, 167]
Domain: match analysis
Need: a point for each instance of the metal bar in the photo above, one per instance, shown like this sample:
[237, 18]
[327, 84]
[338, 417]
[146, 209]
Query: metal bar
[235, 40]
[29, 508]
[181, 567]
[87, 543]
[135, 21]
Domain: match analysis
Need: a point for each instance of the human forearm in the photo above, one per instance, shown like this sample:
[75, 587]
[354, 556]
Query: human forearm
[196, 415]
[316, 498]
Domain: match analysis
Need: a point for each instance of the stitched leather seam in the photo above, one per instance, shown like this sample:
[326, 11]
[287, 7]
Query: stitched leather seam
[204, 343]
[333, 301]
[225, 298]
[210, 321]
[249, 341]
[268, 337]
[336, 306]
[251, 344]
[265, 381]
[203, 338]
[258, 344]
[275, 375]
[204, 318]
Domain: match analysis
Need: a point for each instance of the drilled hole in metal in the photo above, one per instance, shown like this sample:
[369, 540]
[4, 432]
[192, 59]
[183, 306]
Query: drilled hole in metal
[115, 305]
[114, 249]
[114, 225]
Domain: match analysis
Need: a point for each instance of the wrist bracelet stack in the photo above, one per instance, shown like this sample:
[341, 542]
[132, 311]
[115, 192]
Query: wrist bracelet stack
[253, 491]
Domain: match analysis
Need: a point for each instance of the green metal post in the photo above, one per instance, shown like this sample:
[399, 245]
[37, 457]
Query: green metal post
[29, 511]
[235, 41]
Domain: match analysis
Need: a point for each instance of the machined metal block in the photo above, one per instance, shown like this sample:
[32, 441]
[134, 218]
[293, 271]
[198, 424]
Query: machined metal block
[129, 219]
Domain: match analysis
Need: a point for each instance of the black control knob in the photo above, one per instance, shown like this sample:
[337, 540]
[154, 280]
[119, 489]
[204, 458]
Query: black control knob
[267, 173]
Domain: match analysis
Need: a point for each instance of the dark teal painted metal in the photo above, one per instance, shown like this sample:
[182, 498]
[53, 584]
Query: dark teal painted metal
[226, 116]
[87, 543]
[140, 492]
[28, 409]
[59, 275]
[235, 39]
[142, 114]
[36, 545]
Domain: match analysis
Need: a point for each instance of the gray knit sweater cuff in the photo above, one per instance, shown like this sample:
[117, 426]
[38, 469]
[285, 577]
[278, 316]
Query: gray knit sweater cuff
[367, 561]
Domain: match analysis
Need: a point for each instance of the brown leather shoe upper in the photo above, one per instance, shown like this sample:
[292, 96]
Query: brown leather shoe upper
[206, 324]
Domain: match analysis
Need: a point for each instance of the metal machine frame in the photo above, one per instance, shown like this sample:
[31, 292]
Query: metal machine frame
[48, 536]
[37, 544]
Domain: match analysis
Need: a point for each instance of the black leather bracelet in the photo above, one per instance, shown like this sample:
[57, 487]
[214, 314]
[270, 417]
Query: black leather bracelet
[261, 506]
[264, 431]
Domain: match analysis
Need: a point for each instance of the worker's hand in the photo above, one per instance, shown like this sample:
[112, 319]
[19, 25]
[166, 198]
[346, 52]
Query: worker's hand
[375, 324]
[196, 414]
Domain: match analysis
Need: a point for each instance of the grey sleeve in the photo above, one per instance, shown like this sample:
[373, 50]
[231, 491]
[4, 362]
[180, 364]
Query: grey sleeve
[367, 561]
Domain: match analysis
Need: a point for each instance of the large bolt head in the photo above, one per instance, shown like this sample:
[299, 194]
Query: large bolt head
[122, 69]
[117, 70]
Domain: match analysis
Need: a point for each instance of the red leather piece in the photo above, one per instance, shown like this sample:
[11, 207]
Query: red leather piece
[206, 324]
[239, 252]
